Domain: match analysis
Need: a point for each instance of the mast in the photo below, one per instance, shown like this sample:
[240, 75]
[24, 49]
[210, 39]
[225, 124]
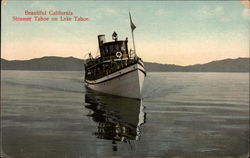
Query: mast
[132, 25]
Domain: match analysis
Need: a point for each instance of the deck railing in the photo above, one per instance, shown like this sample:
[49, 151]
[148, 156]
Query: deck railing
[100, 71]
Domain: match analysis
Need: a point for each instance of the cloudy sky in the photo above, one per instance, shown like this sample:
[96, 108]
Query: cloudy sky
[171, 32]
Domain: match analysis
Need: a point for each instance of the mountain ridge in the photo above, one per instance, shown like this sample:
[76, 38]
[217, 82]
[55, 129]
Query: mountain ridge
[54, 63]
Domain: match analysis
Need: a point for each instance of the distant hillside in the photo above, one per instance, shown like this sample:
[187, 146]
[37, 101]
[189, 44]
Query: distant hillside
[74, 64]
[226, 65]
[161, 67]
[44, 63]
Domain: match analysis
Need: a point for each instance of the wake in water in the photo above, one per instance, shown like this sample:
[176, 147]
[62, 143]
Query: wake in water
[46, 80]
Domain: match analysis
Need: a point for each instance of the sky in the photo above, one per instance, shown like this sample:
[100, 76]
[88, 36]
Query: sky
[168, 32]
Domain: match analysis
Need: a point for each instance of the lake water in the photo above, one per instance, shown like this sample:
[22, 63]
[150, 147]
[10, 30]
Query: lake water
[194, 115]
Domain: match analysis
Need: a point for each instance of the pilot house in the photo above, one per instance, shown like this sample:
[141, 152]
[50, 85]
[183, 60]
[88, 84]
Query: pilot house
[114, 49]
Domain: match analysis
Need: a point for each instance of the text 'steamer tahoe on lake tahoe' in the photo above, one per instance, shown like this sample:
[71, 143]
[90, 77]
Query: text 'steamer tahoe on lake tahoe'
[118, 70]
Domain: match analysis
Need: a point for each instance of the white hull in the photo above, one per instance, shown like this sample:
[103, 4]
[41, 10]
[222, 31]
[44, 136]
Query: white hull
[127, 82]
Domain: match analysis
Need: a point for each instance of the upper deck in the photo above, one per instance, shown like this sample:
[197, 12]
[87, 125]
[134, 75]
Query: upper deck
[114, 49]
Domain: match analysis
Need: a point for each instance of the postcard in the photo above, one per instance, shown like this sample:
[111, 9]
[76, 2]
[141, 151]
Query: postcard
[119, 79]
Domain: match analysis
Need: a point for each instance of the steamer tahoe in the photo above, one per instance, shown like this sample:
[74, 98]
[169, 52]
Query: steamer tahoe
[117, 71]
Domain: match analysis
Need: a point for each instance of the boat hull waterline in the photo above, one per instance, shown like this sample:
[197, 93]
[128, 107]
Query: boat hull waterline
[127, 82]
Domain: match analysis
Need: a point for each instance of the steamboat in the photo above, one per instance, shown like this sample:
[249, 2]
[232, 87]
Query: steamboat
[117, 70]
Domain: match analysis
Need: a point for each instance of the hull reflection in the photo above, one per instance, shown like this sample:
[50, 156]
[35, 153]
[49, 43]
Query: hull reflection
[119, 119]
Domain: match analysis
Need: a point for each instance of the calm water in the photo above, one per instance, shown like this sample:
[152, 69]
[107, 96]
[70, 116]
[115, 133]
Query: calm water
[193, 115]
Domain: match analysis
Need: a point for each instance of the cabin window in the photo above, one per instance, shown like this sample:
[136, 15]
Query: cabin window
[123, 48]
[111, 49]
[103, 51]
[107, 50]
[117, 48]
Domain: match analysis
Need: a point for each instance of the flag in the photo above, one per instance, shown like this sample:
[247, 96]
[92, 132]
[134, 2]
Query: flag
[132, 25]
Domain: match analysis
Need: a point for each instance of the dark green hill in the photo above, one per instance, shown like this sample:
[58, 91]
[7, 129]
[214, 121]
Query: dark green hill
[44, 63]
[75, 64]
[226, 65]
